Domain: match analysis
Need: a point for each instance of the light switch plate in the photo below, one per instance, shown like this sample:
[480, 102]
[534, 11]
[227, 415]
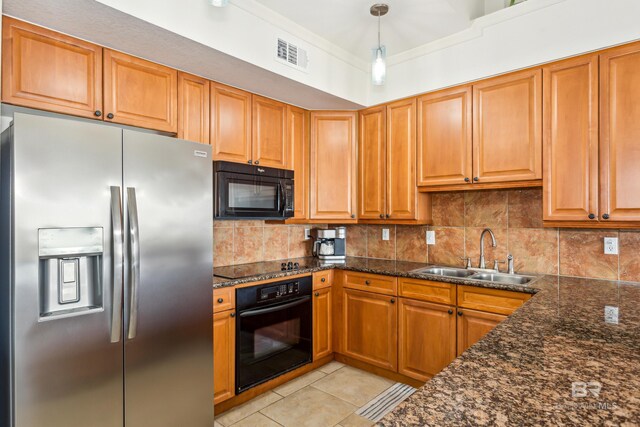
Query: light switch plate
[307, 233]
[385, 234]
[431, 237]
[611, 245]
[611, 314]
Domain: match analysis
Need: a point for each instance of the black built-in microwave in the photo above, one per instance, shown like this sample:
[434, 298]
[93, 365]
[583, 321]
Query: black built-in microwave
[244, 191]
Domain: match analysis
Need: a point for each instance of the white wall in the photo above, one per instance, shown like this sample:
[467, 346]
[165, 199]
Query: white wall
[508, 40]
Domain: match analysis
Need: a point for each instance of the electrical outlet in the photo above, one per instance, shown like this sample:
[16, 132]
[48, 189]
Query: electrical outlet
[611, 314]
[385, 234]
[307, 233]
[431, 237]
[611, 245]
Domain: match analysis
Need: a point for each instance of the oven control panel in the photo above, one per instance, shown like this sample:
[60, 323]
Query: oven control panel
[278, 291]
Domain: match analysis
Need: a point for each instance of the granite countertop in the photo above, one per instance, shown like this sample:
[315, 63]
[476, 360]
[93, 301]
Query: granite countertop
[554, 361]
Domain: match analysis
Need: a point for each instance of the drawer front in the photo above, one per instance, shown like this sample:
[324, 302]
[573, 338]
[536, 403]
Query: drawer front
[427, 290]
[224, 299]
[322, 279]
[490, 300]
[371, 283]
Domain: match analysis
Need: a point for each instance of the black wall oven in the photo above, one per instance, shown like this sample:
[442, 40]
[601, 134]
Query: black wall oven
[252, 192]
[273, 330]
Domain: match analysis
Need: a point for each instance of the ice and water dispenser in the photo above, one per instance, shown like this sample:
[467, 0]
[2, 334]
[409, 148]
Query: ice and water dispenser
[70, 271]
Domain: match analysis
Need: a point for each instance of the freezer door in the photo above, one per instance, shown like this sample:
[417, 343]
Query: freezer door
[168, 305]
[67, 372]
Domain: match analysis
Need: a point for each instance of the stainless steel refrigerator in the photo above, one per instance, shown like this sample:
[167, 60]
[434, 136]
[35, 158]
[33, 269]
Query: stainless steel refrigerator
[106, 265]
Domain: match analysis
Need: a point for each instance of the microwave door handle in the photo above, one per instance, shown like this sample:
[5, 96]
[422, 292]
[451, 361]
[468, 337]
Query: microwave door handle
[134, 277]
[117, 236]
[283, 198]
[251, 313]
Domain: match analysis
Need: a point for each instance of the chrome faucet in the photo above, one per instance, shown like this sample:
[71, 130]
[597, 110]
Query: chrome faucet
[482, 264]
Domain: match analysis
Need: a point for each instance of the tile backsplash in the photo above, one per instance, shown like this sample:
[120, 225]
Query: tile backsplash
[241, 242]
[515, 217]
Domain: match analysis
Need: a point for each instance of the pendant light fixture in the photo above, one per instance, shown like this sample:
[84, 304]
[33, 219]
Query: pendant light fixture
[379, 57]
[219, 3]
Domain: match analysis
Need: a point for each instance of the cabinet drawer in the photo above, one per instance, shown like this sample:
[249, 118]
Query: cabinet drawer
[427, 290]
[371, 283]
[322, 279]
[224, 299]
[491, 300]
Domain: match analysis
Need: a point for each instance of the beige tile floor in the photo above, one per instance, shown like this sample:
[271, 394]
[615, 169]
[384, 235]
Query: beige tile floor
[325, 397]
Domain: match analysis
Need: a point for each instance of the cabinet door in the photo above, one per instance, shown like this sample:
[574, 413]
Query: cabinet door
[570, 126]
[473, 325]
[139, 92]
[401, 159]
[298, 139]
[444, 137]
[427, 334]
[372, 158]
[224, 348]
[269, 133]
[333, 165]
[370, 328]
[230, 124]
[193, 108]
[507, 128]
[322, 323]
[620, 134]
[50, 71]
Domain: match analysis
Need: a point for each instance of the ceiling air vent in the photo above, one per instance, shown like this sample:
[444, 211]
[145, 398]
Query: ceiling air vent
[292, 55]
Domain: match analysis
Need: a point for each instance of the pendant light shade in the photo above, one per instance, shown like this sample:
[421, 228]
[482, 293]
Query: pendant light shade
[379, 65]
[379, 57]
[219, 3]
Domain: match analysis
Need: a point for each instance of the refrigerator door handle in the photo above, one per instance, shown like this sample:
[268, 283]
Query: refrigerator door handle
[116, 226]
[134, 277]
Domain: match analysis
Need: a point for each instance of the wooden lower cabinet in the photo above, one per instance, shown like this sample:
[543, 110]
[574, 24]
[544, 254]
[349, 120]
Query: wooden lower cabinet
[427, 338]
[473, 325]
[322, 331]
[224, 348]
[370, 328]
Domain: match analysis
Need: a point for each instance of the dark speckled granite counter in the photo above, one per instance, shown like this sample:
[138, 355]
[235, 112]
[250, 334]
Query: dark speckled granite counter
[522, 372]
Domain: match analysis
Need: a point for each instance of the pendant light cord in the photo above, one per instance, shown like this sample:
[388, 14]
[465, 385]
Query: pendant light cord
[378, 29]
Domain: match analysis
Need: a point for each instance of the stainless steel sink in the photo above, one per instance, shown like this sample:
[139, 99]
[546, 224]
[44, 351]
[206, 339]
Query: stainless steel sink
[514, 279]
[444, 271]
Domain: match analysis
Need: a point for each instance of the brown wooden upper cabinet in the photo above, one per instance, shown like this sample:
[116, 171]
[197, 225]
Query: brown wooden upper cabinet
[298, 139]
[139, 92]
[193, 108]
[444, 137]
[269, 133]
[507, 128]
[230, 124]
[387, 159]
[333, 165]
[570, 126]
[620, 134]
[50, 71]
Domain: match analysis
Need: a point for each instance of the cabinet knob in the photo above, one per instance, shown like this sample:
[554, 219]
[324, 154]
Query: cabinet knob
[317, 294]
[605, 216]
[459, 313]
[476, 179]
[249, 161]
[324, 279]
[466, 179]
[393, 300]
[110, 116]
[381, 216]
[220, 300]
[257, 162]
[353, 215]
[366, 282]
[97, 113]
[387, 216]
[233, 315]
[592, 216]
[450, 311]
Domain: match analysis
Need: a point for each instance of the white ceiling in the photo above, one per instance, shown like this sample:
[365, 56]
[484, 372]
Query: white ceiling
[409, 23]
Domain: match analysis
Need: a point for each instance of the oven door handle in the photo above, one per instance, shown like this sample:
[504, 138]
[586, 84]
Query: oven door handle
[251, 313]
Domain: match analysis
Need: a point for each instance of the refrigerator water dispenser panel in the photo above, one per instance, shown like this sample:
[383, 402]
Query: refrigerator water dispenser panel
[70, 271]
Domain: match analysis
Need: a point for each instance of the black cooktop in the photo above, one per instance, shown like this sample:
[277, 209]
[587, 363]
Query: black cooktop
[260, 268]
